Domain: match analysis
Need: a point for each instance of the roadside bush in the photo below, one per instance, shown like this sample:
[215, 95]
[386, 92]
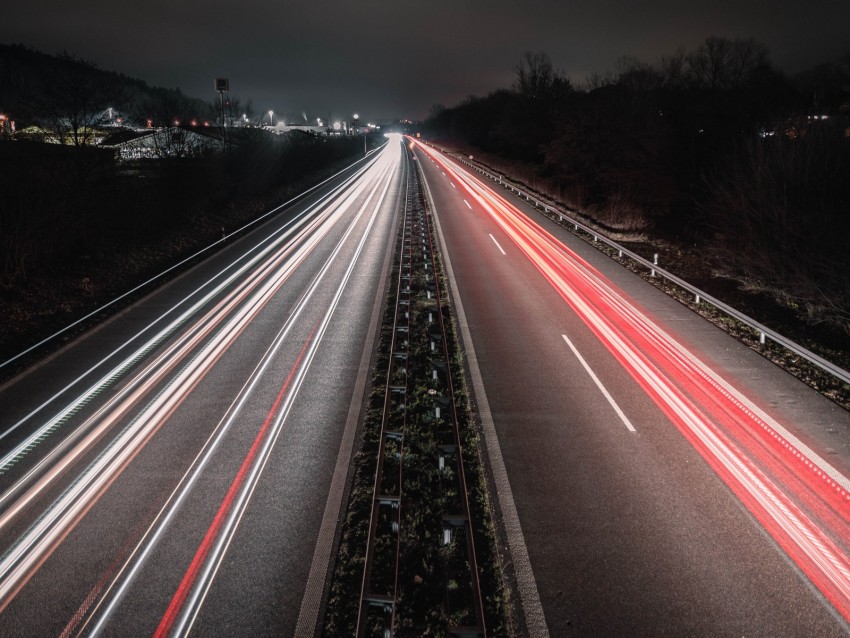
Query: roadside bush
[780, 211]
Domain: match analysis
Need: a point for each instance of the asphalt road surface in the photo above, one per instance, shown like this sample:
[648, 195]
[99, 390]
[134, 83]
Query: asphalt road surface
[654, 476]
[180, 468]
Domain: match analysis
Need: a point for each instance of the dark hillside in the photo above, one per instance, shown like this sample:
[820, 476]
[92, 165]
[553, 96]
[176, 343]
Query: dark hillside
[35, 88]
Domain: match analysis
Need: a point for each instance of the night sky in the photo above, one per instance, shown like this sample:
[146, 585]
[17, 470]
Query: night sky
[394, 59]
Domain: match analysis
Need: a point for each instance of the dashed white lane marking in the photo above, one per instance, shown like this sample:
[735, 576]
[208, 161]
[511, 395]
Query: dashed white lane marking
[467, 204]
[599, 385]
[497, 245]
[529, 597]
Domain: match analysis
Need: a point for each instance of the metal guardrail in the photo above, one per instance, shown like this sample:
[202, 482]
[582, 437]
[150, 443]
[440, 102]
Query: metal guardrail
[699, 295]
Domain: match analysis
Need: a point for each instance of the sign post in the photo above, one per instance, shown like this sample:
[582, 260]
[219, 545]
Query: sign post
[222, 85]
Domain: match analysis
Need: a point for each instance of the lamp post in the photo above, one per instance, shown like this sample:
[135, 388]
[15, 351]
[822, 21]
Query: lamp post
[271, 115]
[357, 117]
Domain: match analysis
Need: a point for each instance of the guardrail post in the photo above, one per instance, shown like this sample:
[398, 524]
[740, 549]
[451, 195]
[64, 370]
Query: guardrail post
[778, 339]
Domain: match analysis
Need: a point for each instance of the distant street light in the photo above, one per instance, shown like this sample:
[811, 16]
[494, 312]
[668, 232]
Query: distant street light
[271, 115]
[357, 117]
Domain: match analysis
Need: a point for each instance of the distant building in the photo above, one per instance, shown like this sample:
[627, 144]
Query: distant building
[280, 128]
[171, 142]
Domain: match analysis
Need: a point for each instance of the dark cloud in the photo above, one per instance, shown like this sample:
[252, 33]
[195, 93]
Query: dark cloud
[396, 59]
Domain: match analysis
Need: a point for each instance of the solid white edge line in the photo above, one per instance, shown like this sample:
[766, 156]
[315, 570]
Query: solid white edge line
[501, 250]
[599, 385]
[526, 584]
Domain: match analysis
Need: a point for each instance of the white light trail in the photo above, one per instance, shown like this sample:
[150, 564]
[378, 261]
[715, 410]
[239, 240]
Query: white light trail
[136, 561]
[197, 351]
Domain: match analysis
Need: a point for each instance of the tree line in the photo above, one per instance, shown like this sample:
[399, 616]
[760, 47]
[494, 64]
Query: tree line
[67, 98]
[714, 147]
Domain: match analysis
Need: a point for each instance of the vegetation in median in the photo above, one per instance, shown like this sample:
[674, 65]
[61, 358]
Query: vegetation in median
[433, 592]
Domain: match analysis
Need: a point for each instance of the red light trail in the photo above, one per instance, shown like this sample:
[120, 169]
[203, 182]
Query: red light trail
[212, 325]
[800, 500]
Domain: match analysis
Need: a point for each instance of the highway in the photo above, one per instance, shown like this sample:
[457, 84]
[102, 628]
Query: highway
[652, 475]
[181, 467]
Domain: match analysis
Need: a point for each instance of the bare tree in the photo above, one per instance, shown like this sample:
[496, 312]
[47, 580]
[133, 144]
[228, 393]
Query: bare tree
[537, 80]
[720, 63]
[234, 112]
[597, 80]
[778, 209]
[436, 110]
[636, 75]
[76, 96]
[673, 68]
[745, 58]
[826, 86]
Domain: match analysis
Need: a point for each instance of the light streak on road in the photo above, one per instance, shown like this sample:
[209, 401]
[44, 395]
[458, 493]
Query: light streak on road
[283, 242]
[214, 317]
[187, 602]
[800, 499]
